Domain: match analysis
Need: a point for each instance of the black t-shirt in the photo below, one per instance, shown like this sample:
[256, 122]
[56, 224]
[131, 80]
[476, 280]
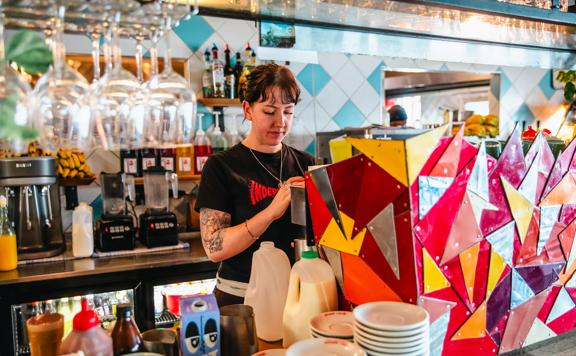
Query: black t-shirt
[234, 182]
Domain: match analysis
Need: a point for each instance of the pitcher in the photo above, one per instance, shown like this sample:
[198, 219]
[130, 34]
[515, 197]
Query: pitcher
[238, 330]
[312, 291]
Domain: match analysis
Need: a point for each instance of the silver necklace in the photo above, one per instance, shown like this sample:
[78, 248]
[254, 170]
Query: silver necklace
[280, 183]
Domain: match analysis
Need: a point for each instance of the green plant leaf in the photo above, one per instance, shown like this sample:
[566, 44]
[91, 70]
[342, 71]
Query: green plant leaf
[569, 90]
[29, 50]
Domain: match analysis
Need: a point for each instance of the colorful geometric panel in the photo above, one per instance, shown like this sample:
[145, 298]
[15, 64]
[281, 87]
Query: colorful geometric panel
[333, 257]
[434, 279]
[497, 267]
[474, 327]
[383, 230]
[540, 277]
[347, 242]
[464, 233]
[431, 190]
[435, 307]
[447, 165]
[562, 305]
[548, 217]
[468, 262]
[438, 330]
[521, 291]
[498, 302]
[538, 332]
[520, 322]
[563, 193]
[419, 148]
[521, 208]
[502, 241]
[478, 182]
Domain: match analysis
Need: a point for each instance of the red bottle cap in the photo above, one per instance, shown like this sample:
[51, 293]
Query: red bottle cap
[86, 318]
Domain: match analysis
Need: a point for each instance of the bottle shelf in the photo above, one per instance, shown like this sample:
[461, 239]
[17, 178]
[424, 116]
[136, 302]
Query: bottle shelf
[195, 178]
[220, 102]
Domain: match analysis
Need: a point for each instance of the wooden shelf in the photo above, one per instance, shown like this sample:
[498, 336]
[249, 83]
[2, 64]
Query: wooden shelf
[140, 180]
[220, 102]
[72, 182]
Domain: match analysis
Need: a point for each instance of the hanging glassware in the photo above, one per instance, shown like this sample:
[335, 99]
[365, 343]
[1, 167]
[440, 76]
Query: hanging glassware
[117, 85]
[56, 91]
[172, 105]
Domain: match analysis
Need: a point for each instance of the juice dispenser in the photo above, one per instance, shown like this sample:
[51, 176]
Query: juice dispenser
[115, 229]
[158, 226]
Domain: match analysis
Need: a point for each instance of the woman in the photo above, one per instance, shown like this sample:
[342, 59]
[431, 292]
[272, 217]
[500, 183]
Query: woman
[245, 191]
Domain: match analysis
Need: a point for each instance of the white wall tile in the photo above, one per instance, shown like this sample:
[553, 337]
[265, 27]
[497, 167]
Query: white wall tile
[366, 98]
[321, 116]
[512, 72]
[236, 33]
[528, 80]
[331, 126]
[375, 117]
[331, 98]
[216, 22]
[511, 101]
[332, 62]
[349, 78]
[366, 64]
[537, 103]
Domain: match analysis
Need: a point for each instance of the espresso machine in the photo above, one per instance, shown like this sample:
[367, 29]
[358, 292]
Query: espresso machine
[31, 186]
[158, 226]
[115, 229]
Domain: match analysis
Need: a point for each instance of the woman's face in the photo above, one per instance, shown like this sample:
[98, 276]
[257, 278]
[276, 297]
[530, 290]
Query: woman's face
[271, 120]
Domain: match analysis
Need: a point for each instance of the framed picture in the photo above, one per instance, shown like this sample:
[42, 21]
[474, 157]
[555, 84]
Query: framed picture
[277, 34]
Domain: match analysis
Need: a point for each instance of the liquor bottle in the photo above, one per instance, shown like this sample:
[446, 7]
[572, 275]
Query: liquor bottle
[253, 59]
[219, 142]
[129, 161]
[185, 160]
[148, 158]
[237, 72]
[126, 337]
[8, 247]
[217, 73]
[167, 158]
[228, 75]
[247, 54]
[202, 147]
[207, 84]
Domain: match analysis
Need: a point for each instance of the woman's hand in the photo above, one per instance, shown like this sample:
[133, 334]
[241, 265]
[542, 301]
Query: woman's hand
[281, 201]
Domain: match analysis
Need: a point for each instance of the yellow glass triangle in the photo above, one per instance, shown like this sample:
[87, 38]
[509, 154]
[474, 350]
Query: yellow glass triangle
[474, 327]
[334, 238]
[340, 150]
[521, 207]
[390, 155]
[468, 262]
[434, 279]
[497, 266]
[419, 148]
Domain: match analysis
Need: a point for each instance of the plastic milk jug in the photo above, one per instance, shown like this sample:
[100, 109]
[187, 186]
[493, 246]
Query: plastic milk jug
[312, 291]
[267, 290]
[82, 232]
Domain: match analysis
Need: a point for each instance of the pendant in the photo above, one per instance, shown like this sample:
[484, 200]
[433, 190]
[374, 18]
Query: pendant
[280, 184]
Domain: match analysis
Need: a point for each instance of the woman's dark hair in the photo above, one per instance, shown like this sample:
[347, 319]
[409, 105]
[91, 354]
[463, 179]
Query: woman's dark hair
[257, 85]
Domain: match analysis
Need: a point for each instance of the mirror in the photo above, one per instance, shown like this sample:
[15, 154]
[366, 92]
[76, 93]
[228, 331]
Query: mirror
[432, 98]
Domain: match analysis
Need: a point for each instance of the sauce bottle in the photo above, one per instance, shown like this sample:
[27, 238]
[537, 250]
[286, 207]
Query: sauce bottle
[126, 337]
[202, 147]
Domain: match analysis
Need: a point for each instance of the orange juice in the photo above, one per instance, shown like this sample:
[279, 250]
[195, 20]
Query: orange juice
[8, 253]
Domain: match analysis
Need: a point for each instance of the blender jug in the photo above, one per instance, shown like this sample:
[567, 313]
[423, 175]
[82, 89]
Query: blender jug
[156, 181]
[113, 187]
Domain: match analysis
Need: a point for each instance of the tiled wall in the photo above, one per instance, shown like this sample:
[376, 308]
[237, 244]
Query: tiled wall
[341, 90]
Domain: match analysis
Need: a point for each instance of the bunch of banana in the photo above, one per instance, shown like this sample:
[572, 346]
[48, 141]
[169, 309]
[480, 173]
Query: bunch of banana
[482, 126]
[72, 164]
[35, 151]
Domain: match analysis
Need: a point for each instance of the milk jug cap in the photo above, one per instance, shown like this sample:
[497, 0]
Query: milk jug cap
[309, 254]
[267, 244]
[86, 318]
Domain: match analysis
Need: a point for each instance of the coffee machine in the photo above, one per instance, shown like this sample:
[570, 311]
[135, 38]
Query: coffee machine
[31, 186]
[158, 226]
[115, 229]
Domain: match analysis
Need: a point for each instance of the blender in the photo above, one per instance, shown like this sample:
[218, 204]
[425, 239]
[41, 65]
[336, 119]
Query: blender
[158, 225]
[115, 229]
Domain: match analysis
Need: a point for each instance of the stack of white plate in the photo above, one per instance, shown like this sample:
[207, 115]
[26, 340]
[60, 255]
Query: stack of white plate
[392, 328]
[325, 347]
[334, 324]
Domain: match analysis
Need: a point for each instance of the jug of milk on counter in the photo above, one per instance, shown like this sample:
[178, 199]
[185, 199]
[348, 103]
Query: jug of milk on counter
[267, 290]
[82, 231]
[312, 291]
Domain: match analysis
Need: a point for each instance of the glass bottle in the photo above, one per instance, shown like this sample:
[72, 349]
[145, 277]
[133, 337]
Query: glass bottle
[232, 136]
[228, 74]
[126, 337]
[207, 84]
[8, 247]
[202, 147]
[237, 72]
[167, 158]
[219, 142]
[217, 73]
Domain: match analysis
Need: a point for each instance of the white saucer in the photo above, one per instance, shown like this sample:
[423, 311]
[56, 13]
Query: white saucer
[271, 352]
[417, 349]
[407, 345]
[334, 347]
[390, 340]
[391, 316]
[396, 334]
[320, 336]
[334, 323]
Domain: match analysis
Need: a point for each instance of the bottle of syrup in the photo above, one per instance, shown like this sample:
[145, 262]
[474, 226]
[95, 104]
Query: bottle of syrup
[202, 147]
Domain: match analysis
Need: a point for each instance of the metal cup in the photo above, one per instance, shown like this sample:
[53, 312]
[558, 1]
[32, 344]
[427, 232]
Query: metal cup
[301, 246]
[162, 341]
[238, 330]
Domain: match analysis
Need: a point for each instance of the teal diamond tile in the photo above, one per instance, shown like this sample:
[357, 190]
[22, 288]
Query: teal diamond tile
[312, 148]
[207, 119]
[375, 79]
[505, 84]
[194, 32]
[349, 116]
[444, 68]
[524, 114]
[313, 78]
[546, 85]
